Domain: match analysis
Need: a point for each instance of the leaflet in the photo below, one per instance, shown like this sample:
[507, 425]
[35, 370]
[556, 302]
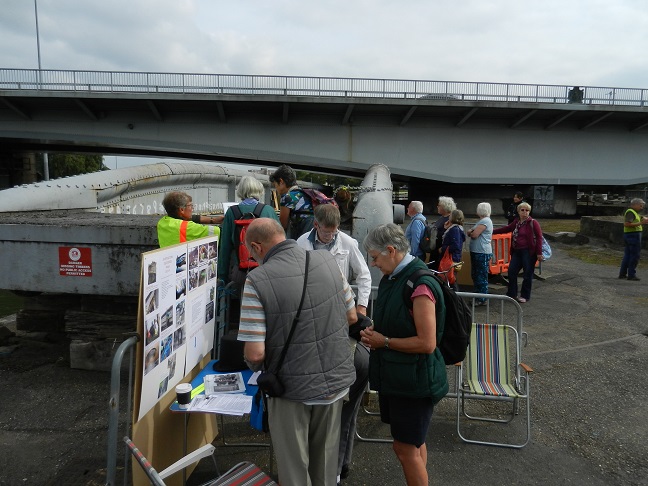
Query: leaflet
[226, 404]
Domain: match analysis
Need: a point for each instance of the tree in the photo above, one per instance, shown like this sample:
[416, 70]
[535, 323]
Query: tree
[62, 165]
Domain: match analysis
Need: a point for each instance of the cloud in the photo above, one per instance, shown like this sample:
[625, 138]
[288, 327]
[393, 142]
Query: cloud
[587, 42]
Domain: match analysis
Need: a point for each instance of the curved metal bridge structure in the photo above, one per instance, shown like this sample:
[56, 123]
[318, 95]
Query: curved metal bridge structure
[453, 132]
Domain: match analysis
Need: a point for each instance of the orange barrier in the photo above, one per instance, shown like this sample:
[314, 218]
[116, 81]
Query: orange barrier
[500, 261]
[501, 257]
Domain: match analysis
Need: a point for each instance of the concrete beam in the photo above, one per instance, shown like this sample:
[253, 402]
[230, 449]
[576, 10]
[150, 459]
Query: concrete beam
[407, 116]
[466, 117]
[13, 107]
[154, 110]
[86, 109]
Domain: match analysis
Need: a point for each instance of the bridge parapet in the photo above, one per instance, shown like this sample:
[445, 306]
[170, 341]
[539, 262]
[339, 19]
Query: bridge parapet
[25, 80]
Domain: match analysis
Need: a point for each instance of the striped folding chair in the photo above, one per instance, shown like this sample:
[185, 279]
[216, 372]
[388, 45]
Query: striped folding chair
[244, 473]
[493, 373]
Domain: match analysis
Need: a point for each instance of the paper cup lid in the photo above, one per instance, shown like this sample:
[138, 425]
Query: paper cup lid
[183, 388]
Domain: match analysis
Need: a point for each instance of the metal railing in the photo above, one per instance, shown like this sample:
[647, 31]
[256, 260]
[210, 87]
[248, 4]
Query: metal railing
[231, 84]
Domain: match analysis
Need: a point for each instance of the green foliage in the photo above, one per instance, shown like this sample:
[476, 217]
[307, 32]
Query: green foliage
[62, 165]
[10, 303]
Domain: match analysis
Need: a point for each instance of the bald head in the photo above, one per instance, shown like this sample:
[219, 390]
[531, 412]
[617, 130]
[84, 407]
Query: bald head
[266, 232]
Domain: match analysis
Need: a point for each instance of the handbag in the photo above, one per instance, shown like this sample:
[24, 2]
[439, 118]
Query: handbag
[546, 249]
[268, 381]
[445, 265]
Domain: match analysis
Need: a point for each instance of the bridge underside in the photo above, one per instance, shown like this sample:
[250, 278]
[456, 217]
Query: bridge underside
[449, 141]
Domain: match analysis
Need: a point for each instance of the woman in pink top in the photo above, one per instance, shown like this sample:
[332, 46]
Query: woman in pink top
[526, 250]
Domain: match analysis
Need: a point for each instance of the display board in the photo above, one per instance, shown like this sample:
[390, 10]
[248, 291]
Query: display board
[177, 300]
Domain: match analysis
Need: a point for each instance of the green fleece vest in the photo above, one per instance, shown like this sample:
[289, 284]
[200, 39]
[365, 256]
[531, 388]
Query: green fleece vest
[401, 374]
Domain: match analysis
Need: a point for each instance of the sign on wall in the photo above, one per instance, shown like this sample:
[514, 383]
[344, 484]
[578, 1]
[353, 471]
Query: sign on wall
[75, 261]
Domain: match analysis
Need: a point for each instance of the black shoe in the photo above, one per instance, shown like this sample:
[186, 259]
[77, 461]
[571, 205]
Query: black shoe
[345, 471]
[634, 278]
[623, 277]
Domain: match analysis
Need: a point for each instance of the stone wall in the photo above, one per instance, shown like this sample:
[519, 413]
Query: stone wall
[608, 228]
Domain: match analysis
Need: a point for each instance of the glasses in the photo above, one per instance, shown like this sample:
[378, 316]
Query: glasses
[325, 233]
[374, 258]
[189, 205]
[524, 210]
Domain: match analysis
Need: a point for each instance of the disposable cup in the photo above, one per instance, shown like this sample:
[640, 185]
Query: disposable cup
[183, 392]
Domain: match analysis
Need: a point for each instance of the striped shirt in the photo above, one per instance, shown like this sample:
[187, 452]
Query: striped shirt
[252, 326]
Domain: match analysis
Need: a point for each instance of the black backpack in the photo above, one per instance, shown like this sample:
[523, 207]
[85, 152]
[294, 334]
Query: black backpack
[458, 319]
[429, 238]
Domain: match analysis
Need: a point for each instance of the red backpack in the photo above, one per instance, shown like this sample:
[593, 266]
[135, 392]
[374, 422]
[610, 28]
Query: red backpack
[241, 222]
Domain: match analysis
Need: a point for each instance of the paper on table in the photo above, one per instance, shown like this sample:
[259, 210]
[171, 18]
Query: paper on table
[253, 378]
[228, 404]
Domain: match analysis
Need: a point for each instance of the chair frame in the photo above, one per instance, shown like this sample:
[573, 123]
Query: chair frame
[505, 381]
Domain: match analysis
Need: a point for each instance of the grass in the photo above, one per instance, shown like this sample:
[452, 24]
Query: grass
[10, 303]
[559, 225]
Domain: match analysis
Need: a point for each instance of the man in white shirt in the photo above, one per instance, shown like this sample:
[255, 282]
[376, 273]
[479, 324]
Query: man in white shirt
[325, 235]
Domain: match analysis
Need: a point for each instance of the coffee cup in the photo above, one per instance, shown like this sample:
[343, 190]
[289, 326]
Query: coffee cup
[183, 392]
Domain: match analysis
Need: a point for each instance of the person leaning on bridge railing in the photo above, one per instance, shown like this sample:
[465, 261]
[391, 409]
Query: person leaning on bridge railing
[296, 215]
[180, 224]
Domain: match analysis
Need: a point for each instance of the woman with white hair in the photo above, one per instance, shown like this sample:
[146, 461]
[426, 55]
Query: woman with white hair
[481, 250]
[406, 367]
[445, 207]
[250, 191]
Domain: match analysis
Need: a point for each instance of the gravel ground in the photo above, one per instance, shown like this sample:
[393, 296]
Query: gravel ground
[588, 347]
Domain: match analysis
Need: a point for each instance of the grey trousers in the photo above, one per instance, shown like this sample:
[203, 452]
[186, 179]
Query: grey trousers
[306, 441]
[351, 407]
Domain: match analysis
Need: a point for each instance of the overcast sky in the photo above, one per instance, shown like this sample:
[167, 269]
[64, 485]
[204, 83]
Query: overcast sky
[564, 42]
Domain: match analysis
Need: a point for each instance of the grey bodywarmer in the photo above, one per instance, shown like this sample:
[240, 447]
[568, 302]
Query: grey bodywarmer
[319, 361]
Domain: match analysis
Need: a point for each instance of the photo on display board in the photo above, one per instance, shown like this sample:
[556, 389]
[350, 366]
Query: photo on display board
[179, 337]
[166, 345]
[152, 359]
[152, 329]
[171, 364]
[180, 313]
[152, 301]
[181, 263]
[164, 385]
[213, 250]
[166, 319]
[152, 273]
[181, 287]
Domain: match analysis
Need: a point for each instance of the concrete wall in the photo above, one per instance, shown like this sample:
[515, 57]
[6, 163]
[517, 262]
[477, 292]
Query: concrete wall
[608, 228]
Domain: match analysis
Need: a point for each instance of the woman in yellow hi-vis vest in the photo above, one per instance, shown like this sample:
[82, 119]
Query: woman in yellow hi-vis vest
[632, 228]
[181, 224]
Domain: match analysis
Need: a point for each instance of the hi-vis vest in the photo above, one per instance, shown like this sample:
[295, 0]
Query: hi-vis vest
[172, 231]
[633, 229]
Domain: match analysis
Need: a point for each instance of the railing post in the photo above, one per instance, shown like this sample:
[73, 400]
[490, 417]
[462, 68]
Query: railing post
[113, 407]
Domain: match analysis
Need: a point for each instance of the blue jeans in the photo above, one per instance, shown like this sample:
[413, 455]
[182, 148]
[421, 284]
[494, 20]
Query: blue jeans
[631, 254]
[521, 259]
[479, 272]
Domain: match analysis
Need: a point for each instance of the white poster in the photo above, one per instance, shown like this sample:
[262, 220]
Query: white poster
[178, 302]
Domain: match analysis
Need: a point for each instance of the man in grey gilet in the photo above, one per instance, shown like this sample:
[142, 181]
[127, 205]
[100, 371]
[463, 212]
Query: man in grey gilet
[318, 367]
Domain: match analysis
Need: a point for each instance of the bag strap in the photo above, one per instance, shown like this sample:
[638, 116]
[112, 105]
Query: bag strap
[258, 209]
[294, 323]
[236, 212]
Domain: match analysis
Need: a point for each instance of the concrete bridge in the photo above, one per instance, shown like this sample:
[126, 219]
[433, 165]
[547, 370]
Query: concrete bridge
[480, 137]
